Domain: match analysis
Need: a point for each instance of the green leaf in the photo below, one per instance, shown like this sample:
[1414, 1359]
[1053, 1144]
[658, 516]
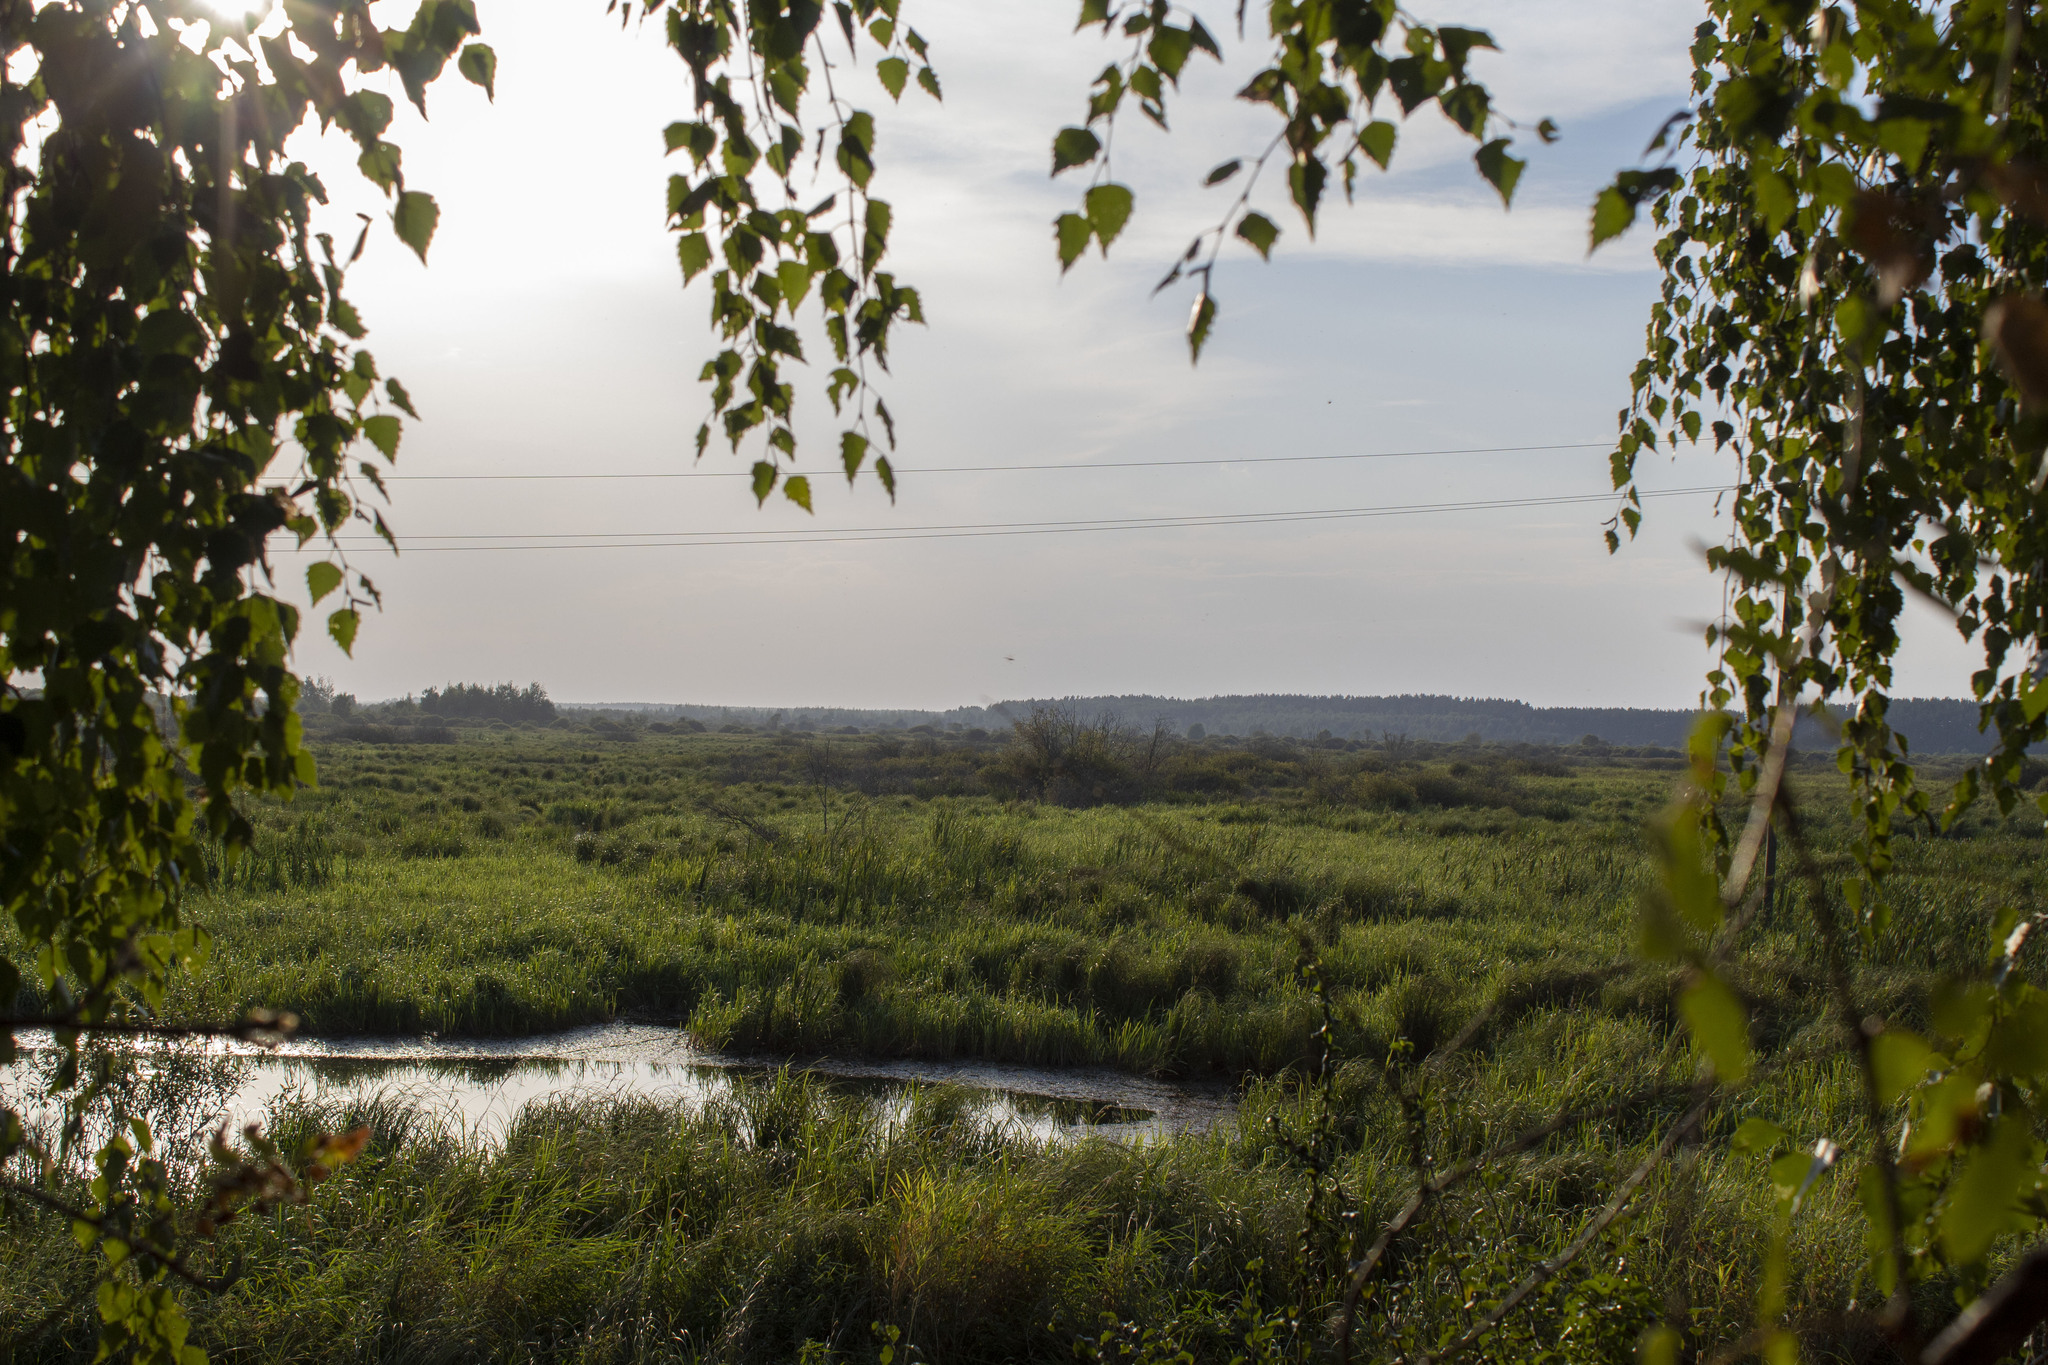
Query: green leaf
[1898, 1062]
[1376, 140]
[1757, 1137]
[380, 166]
[693, 252]
[1719, 1024]
[894, 73]
[322, 578]
[875, 240]
[1260, 231]
[383, 432]
[765, 475]
[1982, 1202]
[1957, 1007]
[1169, 50]
[853, 450]
[1073, 147]
[1108, 207]
[928, 81]
[1690, 882]
[1775, 199]
[797, 489]
[1224, 172]
[1460, 41]
[1305, 186]
[1073, 233]
[2018, 1045]
[795, 279]
[479, 66]
[415, 217]
[1200, 319]
[1501, 170]
[395, 391]
[342, 626]
[1613, 214]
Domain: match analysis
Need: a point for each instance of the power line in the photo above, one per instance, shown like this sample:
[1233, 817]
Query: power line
[629, 540]
[1016, 468]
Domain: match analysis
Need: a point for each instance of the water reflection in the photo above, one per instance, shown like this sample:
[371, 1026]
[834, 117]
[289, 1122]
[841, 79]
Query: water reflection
[482, 1085]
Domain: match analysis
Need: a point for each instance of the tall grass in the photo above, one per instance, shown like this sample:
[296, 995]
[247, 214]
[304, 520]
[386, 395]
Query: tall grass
[787, 1221]
[522, 883]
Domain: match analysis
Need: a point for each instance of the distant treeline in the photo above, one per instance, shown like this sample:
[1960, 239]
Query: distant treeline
[1932, 725]
[503, 702]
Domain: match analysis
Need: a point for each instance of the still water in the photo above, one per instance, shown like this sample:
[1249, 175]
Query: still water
[479, 1085]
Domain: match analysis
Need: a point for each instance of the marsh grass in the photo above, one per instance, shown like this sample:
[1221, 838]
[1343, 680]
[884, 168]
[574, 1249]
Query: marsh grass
[514, 882]
[518, 882]
[782, 1221]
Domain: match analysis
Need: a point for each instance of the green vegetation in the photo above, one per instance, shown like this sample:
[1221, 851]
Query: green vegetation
[521, 881]
[781, 1225]
[518, 880]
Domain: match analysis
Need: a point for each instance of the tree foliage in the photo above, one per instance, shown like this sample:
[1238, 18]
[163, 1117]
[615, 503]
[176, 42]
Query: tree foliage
[183, 379]
[1334, 67]
[1851, 308]
[768, 246]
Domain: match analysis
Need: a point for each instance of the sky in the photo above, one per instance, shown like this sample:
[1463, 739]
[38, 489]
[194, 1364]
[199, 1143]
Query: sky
[550, 334]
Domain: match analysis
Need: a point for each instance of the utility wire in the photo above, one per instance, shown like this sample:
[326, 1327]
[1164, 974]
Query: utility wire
[1018, 468]
[629, 540]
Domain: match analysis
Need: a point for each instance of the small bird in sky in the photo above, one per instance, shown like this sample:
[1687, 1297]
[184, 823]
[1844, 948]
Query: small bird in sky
[1009, 658]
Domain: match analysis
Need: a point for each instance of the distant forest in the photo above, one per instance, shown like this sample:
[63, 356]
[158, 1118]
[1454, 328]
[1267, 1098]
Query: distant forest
[1933, 725]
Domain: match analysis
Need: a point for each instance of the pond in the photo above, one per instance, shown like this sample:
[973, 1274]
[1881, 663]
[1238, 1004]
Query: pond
[479, 1085]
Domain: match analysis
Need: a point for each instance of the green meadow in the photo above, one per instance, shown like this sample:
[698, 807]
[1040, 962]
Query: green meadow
[940, 895]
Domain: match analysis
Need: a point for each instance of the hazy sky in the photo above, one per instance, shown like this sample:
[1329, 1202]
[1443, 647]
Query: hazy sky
[551, 335]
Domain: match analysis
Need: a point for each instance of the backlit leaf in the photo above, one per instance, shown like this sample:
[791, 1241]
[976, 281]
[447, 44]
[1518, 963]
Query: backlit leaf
[342, 626]
[1073, 147]
[1502, 171]
[1719, 1024]
[1260, 231]
[383, 432]
[1898, 1061]
[1757, 1136]
[1613, 214]
[1108, 207]
[1200, 319]
[1073, 234]
[1376, 140]
[693, 252]
[1982, 1204]
[479, 65]
[415, 217]
[322, 578]
[894, 73]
